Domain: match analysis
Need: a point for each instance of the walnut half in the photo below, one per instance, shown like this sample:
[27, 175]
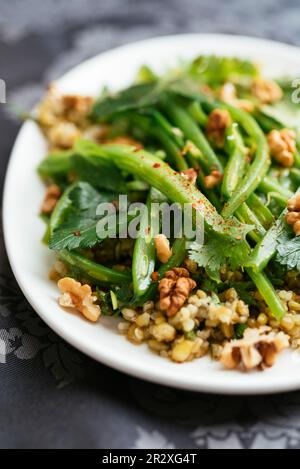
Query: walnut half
[218, 121]
[213, 179]
[75, 295]
[266, 91]
[293, 215]
[51, 198]
[258, 349]
[282, 145]
[174, 288]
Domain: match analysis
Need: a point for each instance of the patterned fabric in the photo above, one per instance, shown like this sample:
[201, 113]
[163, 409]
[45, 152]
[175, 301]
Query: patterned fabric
[50, 394]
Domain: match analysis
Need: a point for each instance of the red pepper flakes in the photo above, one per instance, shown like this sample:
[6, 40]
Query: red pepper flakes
[156, 165]
[154, 276]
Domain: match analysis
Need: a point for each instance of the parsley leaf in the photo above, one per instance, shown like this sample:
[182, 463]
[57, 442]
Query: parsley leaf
[77, 228]
[217, 252]
[134, 97]
[100, 172]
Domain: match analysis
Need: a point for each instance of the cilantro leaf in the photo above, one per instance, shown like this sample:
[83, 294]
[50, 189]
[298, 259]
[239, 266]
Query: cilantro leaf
[217, 252]
[217, 70]
[288, 253]
[77, 228]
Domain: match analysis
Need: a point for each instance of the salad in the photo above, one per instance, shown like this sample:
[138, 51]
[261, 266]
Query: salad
[217, 144]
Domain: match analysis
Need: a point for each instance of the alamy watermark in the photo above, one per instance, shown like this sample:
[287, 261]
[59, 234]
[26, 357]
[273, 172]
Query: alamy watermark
[296, 92]
[122, 219]
[2, 91]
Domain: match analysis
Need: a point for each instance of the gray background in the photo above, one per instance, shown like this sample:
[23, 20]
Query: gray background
[51, 395]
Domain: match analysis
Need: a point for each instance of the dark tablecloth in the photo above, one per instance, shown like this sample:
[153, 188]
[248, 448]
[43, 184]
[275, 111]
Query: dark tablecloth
[51, 395]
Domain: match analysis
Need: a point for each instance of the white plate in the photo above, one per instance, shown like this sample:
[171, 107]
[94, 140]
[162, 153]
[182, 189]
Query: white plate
[23, 229]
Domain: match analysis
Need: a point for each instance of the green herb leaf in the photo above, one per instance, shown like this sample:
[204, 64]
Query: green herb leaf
[217, 252]
[288, 253]
[56, 165]
[239, 330]
[100, 172]
[77, 228]
[134, 97]
[243, 292]
[217, 70]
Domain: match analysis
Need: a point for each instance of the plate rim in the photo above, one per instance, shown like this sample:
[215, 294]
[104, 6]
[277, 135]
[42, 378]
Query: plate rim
[122, 366]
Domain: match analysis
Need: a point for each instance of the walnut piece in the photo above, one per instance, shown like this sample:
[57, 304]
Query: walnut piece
[258, 349]
[162, 246]
[228, 94]
[52, 195]
[63, 135]
[56, 108]
[213, 179]
[218, 121]
[282, 145]
[125, 140]
[190, 174]
[293, 215]
[75, 295]
[174, 288]
[76, 108]
[267, 91]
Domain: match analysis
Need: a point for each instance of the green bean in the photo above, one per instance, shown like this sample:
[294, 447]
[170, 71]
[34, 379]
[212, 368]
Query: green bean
[262, 212]
[257, 169]
[143, 262]
[266, 122]
[185, 122]
[172, 150]
[260, 164]
[197, 113]
[178, 256]
[297, 159]
[295, 175]
[267, 291]
[270, 185]
[162, 122]
[168, 140]
[245, 215]
[234, 169]
[266, 248]
[88, 269]
[232, 175]
[175, 187]
[137, 186]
